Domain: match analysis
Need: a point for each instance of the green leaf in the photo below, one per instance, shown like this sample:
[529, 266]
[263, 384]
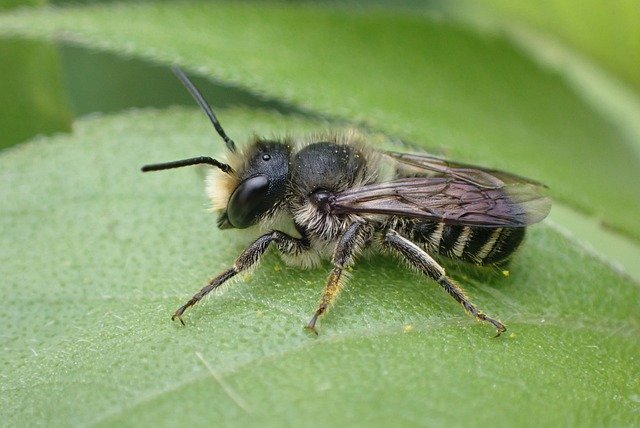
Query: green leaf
[435, 83]
[95, 257]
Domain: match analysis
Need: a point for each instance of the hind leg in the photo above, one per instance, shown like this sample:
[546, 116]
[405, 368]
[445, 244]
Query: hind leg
[420, 260]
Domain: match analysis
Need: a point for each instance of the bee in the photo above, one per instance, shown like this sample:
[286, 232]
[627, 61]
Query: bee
[332, 196]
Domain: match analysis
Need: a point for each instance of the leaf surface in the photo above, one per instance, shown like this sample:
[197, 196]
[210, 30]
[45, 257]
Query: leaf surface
[95, 257]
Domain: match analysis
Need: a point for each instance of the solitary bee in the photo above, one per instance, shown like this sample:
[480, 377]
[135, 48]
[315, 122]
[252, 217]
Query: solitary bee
[333, 196]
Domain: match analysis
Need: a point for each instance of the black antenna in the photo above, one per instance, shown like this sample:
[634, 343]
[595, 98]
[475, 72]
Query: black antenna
[188, 162]
[204, 105]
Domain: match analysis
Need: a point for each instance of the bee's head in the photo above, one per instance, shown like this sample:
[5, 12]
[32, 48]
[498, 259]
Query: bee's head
[259, 184]
[252, 186]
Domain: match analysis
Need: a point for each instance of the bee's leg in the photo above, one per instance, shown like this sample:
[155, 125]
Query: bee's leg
[419, 259]
[248, 258]
[350, 244]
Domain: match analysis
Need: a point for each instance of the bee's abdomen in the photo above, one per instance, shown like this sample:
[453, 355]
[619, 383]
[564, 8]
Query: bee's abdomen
[478, 245]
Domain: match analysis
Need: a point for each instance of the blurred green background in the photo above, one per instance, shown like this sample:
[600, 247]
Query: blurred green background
[604, 34]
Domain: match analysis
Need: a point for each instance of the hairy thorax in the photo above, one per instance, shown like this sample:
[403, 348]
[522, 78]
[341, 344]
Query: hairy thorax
[320, 170]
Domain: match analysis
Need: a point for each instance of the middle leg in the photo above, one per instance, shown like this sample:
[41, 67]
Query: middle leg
[351, 243]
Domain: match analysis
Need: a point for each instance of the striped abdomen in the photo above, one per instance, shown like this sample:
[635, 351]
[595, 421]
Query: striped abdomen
[478, 245]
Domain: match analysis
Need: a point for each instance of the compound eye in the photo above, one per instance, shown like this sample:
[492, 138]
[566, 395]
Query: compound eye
[248, 201]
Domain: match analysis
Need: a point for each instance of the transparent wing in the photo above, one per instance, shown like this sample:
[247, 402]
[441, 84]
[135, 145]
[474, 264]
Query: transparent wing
[481, 177]
[449, 199]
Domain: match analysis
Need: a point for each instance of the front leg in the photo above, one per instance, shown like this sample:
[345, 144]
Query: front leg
[352, 241]
[249, 257]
